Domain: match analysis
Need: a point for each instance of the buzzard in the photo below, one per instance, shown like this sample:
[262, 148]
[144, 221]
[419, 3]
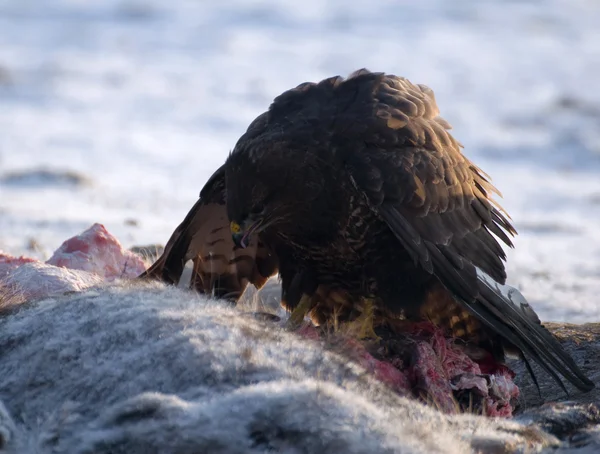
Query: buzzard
[355, 192]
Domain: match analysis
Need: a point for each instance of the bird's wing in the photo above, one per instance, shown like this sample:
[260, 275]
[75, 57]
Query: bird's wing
[438, 204]
[220, 268]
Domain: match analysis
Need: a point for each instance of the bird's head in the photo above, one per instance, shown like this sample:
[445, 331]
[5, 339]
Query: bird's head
[242, 231]
[252, 207]
[265, 192]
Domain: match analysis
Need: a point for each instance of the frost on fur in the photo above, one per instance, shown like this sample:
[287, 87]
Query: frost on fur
[145, 368]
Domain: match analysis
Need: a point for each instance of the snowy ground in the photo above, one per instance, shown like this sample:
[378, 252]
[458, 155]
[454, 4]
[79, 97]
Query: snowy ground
[141, 100]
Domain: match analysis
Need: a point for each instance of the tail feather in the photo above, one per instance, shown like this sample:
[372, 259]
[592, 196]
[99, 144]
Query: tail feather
[505, 310]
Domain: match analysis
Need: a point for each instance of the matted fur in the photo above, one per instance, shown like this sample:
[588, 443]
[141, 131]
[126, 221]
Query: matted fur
[152, 369]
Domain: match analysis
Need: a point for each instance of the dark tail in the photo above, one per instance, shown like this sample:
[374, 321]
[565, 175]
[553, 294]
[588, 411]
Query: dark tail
[505, 310]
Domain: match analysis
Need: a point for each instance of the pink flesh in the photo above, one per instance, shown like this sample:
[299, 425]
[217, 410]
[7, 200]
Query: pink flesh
[438, 369]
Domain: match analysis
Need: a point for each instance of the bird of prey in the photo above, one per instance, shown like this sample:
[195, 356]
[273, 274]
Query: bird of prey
[354, 191]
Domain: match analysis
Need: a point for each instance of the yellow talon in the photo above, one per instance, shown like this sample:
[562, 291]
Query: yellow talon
[297, 316]
[363, 325]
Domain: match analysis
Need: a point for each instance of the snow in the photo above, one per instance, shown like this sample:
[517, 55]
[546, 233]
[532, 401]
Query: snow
[132, 105]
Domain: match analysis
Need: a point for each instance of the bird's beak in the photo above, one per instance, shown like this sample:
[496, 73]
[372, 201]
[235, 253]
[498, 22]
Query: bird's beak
[241, 233]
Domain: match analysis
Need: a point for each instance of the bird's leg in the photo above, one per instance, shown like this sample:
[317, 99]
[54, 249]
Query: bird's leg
[305, 305]
[363, 325]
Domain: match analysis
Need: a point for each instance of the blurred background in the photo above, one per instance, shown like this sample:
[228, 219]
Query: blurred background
[118, 111]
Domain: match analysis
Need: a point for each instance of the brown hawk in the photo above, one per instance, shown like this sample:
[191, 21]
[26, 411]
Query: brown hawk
[354, 191]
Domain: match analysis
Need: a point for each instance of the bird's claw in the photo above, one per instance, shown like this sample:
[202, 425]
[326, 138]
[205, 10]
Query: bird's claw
[363, 326]
[297, 316]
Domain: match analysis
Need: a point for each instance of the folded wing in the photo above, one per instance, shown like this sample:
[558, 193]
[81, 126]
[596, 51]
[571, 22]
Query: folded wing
[438, 205]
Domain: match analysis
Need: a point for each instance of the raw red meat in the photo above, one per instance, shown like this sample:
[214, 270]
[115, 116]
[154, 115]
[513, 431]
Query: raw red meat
[9, 263]
[98, 252]
[438, 370]
[88, 259]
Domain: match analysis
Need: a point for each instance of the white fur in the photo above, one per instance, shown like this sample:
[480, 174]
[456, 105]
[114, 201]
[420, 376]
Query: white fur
[153, 369]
